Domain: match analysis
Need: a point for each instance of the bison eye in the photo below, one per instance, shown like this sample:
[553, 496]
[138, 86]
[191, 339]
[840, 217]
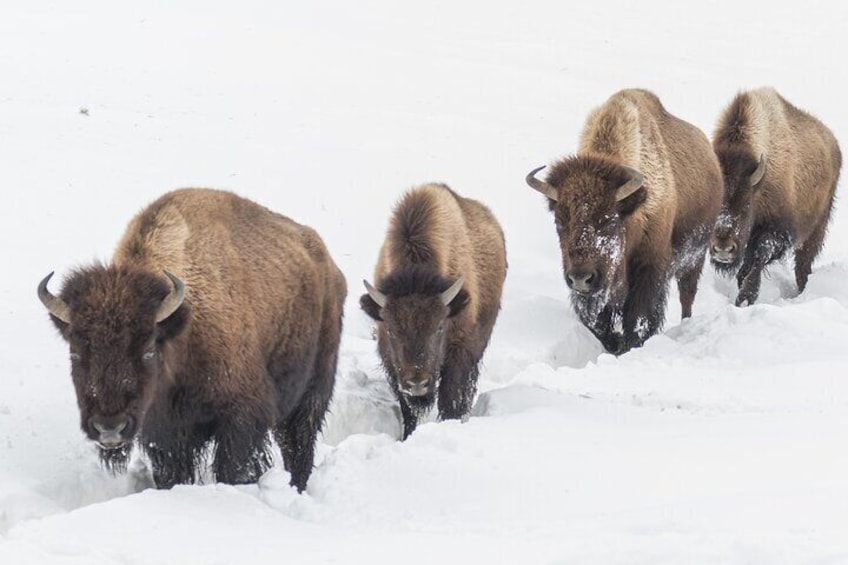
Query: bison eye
[148, 355]
[74, 356]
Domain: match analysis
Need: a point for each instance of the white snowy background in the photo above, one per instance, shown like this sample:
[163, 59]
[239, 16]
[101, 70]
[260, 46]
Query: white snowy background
[723, 440]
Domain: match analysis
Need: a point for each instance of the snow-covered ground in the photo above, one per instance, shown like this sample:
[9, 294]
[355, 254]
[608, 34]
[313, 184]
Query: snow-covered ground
[722, 440]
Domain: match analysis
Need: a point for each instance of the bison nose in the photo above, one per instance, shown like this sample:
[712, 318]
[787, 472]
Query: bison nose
[724, 251]
[582, 280]
[111, 431]
[418, 385]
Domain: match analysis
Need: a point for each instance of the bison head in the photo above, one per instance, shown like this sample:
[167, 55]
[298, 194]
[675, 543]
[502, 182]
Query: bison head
[414, 307]
[117, 322]
[590, 198]
[742, 175]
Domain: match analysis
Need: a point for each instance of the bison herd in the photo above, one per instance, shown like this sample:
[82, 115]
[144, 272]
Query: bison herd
[218, 321]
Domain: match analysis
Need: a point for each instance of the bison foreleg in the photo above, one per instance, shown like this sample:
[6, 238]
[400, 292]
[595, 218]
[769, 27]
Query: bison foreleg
[687, 285]
[241, 450]
[297, 435]
[409, 417]
[767, 244]
[175, 446]
[458, 384]
[602, 324]
[175, 462]
[644, 310]
[806, 253]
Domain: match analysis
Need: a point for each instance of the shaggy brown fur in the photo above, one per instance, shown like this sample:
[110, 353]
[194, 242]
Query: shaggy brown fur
[252, 348]
[790, 206]
[435, 237]
[618, 254]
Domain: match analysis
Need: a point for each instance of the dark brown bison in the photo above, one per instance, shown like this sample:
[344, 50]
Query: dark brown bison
[217, 321]
[780, 168]
[635, 206]
[438, 289]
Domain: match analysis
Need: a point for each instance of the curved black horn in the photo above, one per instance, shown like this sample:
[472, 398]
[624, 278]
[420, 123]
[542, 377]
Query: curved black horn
[55, 305]
[173, 300]
[539, 185]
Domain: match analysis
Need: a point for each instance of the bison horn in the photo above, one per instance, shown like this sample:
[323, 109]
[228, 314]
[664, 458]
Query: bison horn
[635, 183]
[541, 186]
[448, 295]
[375, 294]
[173, 300]
[757, 175]
[55, 305]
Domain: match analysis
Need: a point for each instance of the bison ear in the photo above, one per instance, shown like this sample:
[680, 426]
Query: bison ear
[459, 302]
[171, 326]
[370, 307]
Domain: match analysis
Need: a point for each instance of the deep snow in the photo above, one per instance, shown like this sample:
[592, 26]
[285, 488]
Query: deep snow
[722, 440]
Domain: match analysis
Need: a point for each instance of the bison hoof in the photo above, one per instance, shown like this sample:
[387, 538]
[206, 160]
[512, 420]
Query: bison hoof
[746, 299]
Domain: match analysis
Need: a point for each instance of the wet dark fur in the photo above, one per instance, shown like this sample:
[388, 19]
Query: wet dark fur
[178, 397]
[763, 222]
[413, 288]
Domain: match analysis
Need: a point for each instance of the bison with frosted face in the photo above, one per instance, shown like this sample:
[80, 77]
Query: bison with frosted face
[780, 167]
[633, 208]
[436, 296]
[216, 322]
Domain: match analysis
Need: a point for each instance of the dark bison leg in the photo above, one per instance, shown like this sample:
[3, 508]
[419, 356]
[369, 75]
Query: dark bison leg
[767, 244]
[807, 252]
[298, 433]
[241, 451]
[409, 418]
[169, 468]
[687, 285]
[409, 412]
[644, 309]
[458, 383]
[601, 325]
[175, 454]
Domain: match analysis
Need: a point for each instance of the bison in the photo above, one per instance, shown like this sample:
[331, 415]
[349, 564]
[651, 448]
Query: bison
[633, 207]
[780, 166]
[436, 296]
[216, 321]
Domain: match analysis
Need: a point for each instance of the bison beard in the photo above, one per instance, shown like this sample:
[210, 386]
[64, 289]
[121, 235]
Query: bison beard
[115, 460]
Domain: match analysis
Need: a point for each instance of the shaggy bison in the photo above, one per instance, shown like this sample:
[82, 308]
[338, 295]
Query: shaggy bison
[635, 206]
[780, 168]
[217, 321]
[438, 288]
